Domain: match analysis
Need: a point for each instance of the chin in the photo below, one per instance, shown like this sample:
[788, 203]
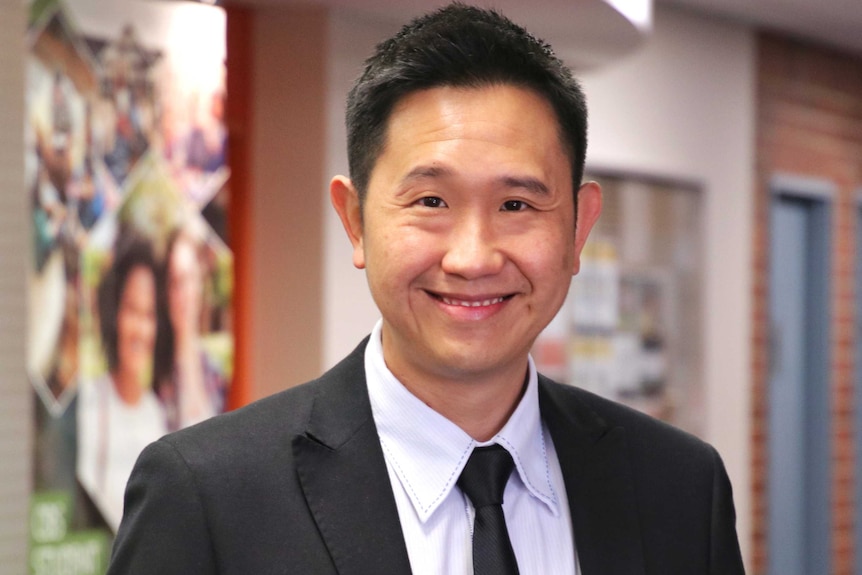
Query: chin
[460, 366]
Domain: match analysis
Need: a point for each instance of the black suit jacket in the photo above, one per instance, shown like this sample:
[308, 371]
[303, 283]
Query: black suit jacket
[297, 483]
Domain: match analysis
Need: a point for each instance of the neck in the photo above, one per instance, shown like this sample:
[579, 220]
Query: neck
[480, 408]
[128, 386]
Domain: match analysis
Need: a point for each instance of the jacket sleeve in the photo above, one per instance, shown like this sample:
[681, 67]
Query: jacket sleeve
[164, 528]
[725, 556]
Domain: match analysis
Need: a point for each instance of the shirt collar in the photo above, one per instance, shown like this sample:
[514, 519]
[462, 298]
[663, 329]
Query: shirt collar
[427, 451]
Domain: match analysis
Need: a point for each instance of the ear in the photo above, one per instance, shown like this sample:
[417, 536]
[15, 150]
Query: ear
[345, 200]
[589, 208]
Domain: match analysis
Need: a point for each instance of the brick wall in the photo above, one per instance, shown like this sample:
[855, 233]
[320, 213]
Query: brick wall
[809, 102]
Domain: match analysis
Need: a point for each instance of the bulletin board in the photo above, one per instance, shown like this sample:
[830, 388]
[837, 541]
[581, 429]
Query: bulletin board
[631, 328]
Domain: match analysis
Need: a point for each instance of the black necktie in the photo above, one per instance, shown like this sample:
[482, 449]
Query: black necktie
[483, 481]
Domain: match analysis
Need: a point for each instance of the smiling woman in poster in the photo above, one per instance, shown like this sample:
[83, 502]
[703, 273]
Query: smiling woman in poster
[195, 389]
[118, 414]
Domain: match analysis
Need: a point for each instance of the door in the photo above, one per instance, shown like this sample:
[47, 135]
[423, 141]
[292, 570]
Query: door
[798, 411]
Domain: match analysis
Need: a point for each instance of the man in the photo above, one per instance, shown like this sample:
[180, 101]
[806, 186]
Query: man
[465, 207]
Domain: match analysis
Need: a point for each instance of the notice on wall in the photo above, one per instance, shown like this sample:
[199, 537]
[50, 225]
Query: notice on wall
[131, 276]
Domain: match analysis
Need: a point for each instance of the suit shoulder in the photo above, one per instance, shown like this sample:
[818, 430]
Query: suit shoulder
[263, 429]
[268, 424]
[265, 420]
[643, 432]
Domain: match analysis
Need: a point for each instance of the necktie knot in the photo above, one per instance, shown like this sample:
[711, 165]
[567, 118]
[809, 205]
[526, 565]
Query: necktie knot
[484, 477]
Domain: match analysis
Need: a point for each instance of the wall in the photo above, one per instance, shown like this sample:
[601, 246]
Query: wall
[683, 107]
[287, 154]
[810, 126]
[349, 312]
[15, 391]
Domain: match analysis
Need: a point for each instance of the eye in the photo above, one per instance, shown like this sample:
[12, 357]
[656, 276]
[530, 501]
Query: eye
[431, 202]
[514, 206]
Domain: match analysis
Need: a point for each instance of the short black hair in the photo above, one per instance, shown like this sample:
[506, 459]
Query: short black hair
[465, 47]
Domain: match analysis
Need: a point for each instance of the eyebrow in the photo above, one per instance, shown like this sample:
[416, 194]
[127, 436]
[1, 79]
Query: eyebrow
[427, 172]
[528, 183]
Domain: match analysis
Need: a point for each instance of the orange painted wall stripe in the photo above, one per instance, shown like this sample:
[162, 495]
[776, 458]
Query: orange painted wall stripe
[239, 123]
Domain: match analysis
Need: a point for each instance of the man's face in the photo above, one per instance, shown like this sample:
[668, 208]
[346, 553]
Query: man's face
[468, 232]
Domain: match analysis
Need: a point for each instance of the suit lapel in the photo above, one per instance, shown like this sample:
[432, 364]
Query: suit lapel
[343, 475]
[599, 484]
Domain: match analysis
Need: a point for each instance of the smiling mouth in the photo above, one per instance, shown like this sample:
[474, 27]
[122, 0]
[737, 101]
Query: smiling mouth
[486, 302]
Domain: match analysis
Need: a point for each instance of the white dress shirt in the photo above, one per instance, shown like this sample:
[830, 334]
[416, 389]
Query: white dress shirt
[425, 453]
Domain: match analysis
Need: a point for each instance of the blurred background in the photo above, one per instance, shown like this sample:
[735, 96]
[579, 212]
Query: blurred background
[719, 291]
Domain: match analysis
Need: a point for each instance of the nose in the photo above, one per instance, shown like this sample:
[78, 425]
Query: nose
[472, 249]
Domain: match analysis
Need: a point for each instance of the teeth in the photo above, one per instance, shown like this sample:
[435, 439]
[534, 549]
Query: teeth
[463, 303]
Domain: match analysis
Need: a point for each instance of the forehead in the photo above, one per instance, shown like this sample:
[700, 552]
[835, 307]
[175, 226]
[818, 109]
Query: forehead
[140, 281]
[481, 101]
[184, 251]
[453, 124]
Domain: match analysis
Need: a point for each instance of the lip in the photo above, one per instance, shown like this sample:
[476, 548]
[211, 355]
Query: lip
[462, 302]
[471, 307]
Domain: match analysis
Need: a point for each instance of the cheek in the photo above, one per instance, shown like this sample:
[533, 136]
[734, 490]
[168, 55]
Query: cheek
[174, 298]
[125, 325]
[400, 251]
[149, 329]
[136, 328]
[123, 334]
[393, 271]
[546, 251]
[187, 296]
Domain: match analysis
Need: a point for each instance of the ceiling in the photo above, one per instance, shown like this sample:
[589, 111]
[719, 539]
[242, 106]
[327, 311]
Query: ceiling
[584, 33]
[833, 22]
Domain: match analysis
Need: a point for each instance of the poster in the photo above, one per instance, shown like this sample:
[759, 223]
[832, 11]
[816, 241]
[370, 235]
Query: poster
[131, 275]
